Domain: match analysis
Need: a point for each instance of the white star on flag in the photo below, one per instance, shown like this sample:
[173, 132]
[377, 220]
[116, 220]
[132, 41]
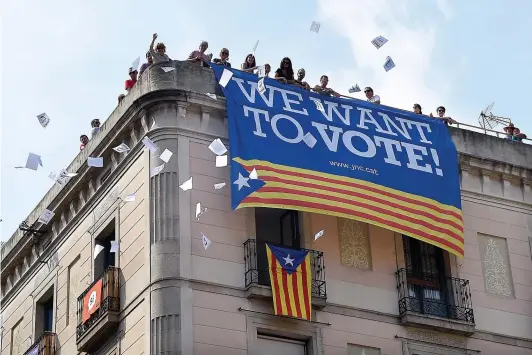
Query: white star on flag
[287, 260]
[241, 181]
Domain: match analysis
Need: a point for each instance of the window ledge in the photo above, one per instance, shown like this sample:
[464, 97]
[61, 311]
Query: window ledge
[99, 332]
[438, 323]
[260, 291]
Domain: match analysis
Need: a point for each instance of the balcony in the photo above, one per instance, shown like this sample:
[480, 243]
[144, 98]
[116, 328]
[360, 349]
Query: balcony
[101, 321]
[432, 301]
[45, 345]
[257, 275]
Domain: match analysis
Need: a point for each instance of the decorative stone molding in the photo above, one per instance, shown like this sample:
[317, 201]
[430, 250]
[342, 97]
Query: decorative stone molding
[435, 337]
[354, 243]
[205, 118]
[496, 266]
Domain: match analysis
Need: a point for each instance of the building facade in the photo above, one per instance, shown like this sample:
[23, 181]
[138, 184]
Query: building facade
[373, 291]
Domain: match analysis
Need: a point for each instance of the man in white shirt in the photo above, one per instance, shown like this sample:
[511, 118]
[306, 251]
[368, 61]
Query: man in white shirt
[372, 98]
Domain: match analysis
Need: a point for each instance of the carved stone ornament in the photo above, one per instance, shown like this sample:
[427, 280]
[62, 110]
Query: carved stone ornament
[435, 337]
[354, 244]
[496, 274]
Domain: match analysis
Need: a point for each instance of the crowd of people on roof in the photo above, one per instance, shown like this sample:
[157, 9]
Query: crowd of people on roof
[284, 74]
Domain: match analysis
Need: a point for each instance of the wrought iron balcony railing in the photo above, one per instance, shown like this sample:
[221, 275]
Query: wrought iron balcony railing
[45, 345]
[257, 273]
[434, 295]
[109, 300]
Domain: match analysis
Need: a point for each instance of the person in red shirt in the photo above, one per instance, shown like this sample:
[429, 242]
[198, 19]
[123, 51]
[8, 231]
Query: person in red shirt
[133, 79]
[84, 140]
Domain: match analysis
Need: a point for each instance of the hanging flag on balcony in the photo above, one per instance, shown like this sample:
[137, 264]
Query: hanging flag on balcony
[342, 157]
[291, 282]
[91, 300]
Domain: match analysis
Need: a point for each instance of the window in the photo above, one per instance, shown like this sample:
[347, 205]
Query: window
[267, 345]
[44, 313]
[274, 226]
[425, 267]
[105, 258]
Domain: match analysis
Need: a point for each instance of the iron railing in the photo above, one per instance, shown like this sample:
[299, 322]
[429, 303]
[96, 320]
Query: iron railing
[110, 300]
[257, 273]
[45, 345]
[434, 295]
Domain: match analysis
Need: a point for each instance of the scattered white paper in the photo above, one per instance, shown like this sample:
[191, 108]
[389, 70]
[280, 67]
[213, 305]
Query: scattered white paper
[255, 46]
[200, 210]
[95, 162]
[69, 175]
[206, 241]
[166, 155]
[167, 69]
[354, 88]
[253, 175]
[389, 64]
[135, 65]
[46, 216]
[261, 86]
[319, 234]
[129, 198]
[379, 41]
[315, 27]
[32, 162]
[309, 140]
[114, 246]
[43, 119]
[122, 148]
[261, 71]
[157, 170]
[217, 147]
[212, 96]
[241, 181]
[187, 185]
[221, 161]
[219, 185]
[319, 106]
[97, 249]
[63, 177]
[226, 76]
[149, 144]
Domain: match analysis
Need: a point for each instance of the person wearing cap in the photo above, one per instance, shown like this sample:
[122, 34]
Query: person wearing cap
[132, 79]
[84, 141]
[510, 129]
[146, 65]
[224, 57]
[95, 124]
[199, 56]
[441, 115]
[158, 52]
[376, 99]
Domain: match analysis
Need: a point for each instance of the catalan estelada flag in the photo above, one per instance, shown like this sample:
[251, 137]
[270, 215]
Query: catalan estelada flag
[290, 277]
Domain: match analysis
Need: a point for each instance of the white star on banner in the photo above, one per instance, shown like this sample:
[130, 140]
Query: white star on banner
[287, 260]
[241, 181]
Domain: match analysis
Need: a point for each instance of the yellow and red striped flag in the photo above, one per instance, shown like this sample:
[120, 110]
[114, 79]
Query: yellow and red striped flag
[290, 278]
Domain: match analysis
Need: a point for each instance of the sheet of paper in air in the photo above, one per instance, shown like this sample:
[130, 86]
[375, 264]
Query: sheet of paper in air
[97, 249]
[253, 175]
[166, 155]
[62, 178]
[32, 162]
[129, 198]
[389, 64]
[226, 76]
[261, 71]
[135, 64]
[219, 185]
[43, 119]
[319, 106]
[95, 162]
[379, 41]
[319, 234]
[315, 27]
[149, 144]
[261, 86]
[309, 140]
[221, 161]
[354, 88]
[122, 148]
[212, 96]
[157, 170]
[206, 241]
[46, 216]
[255, 46]
[167, 69]
[200, 210]
[114, 246]
[187, 185]
[218, 147]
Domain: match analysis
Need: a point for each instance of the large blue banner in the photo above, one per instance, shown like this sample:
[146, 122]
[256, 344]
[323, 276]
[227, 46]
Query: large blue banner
[343, 157]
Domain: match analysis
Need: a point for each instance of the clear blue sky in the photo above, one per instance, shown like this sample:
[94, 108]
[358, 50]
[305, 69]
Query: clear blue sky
[70, 58]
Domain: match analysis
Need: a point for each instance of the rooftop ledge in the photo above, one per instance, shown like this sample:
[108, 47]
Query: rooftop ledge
[190, 77]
